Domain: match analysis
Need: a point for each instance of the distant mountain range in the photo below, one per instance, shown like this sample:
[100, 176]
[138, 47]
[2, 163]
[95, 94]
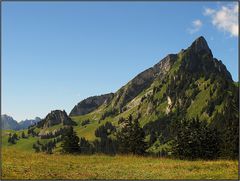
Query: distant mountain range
[8, 123]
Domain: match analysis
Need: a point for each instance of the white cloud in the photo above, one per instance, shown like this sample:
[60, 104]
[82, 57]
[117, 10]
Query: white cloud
[197, 23]
[196, 26]
[208, 11]
[225, 18]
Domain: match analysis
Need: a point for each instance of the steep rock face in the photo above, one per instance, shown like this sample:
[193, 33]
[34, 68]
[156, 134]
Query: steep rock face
[54, 118]
[200, 44]
[162, 67]
[128, 92]
[199, 59]
[143, 81]
[9, 123]
[90, 104]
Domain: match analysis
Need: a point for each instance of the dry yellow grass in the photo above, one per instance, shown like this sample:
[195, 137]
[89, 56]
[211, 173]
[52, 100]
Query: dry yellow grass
[25, 165]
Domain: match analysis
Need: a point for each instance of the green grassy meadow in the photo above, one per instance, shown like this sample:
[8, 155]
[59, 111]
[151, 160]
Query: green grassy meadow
[19, 161]
[19, 164]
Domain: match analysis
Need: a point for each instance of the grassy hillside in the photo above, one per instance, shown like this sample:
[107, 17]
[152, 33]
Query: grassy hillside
[24, 165]
[23, 144]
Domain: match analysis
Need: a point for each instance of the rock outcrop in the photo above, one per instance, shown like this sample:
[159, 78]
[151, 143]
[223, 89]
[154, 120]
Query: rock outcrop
[199, 59]
[143, 81]
[56, 117]
[200, 44]
[90, 104]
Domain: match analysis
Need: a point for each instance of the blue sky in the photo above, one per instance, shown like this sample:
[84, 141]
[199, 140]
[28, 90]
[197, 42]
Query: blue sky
[55, 54]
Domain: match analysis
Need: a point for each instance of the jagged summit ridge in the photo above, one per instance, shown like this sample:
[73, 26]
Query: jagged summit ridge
[196, 59]
[200, 44]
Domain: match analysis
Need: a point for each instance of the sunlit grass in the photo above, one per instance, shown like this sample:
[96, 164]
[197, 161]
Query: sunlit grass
[26, 165]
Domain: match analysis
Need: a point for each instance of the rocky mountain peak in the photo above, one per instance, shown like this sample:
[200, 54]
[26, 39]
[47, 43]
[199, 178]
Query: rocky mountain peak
[200, 44]
[199, 59]
[56, 117]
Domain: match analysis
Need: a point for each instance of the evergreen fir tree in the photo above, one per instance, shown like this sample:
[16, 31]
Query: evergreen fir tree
[196, 139]
[23, 135]
[138, 145]
[70, 141]
[85, 147]
[15, 136]
[124, 134]
[230, 133]
[131, 136]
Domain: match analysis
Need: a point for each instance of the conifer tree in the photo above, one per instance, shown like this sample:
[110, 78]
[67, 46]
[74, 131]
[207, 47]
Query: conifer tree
[137, 143]
[130, 137]
[23, 135]
[85, 147]
[15, 136]
[70, 141]
[124, 134]
[196, 139]
[11, 139]
[230, 133]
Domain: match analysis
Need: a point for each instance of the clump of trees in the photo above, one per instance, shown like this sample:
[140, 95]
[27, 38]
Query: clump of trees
[192, 139]
[195, 139]
[130, 137]
[54, 134]
[12, 138]
[31, 131]
[110, 112]
[105, 130]
[70, 141]
[227, 123]
[36, 147]
[46, 147]
[23, 135]
[85, 147]
[104, 143]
